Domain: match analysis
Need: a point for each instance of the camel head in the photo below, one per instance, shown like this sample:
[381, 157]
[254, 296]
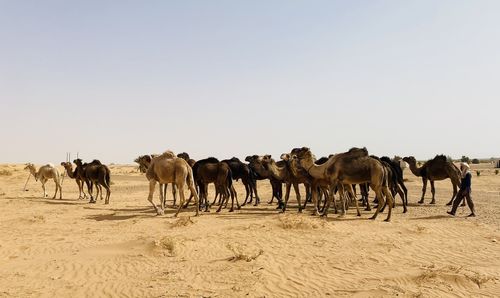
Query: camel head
[184, 156]
[144, 161]
[67, 165]
[285, 156]
[266, 161]
[31, 168]
[410, 160]
[78, 161]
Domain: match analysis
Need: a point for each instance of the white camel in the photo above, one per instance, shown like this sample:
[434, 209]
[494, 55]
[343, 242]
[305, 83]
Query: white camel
[44, 173]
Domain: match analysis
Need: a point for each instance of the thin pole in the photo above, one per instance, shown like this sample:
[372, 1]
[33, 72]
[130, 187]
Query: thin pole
[29, 176]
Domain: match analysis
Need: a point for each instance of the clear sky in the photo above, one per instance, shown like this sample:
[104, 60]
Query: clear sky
[115, 79]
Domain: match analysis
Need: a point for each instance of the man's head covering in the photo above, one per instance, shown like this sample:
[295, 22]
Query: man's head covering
[464, 168]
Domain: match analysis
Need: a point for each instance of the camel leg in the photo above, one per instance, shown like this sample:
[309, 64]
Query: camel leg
[194, 194]
[182, 199]
[229, 192]
[314, 195]
[380, 199]
[257, 198]
[233, 190]
[352, 195]
[44, 190]
[174, 194]
[152, 186]
[163, 192]
[328, 200]
[433, 191]
[108, 194]
[454, 195]
[60, 190]
[79, 189]
[223, 197]
[297, 194]
[424, 188]
[402, 195]
[390, 202]
[405, 191]
[287, 196]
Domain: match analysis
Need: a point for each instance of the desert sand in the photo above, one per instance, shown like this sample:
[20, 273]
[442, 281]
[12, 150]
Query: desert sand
[69, 248]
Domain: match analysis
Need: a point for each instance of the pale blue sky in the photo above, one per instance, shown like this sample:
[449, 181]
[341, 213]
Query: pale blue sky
[115, 79]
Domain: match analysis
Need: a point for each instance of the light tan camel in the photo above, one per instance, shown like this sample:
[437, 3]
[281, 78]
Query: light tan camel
[167, 168]
[45, 173]
[68, 166]
[144, 161]
[352, 167]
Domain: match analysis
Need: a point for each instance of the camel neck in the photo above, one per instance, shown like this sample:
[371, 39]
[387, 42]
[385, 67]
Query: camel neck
[415, 169]
[278, 172]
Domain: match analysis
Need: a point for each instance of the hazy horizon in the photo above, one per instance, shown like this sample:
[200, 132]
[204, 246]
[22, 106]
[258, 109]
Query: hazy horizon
[113, 80]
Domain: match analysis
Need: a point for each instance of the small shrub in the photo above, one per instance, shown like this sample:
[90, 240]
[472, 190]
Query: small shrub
[5, 172]
[465, 159]
[478, 173]
[449, 158]
[475, 161]
[496, 172]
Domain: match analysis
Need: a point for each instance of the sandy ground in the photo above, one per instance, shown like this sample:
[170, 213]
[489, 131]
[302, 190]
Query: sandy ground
[69, 248]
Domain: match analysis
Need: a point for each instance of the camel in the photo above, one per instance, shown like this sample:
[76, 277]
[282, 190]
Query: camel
[95, 173]
[68, 166]
[281, 172]
[261, 173]
[45, 173]
[393, 179]
[210, 170]
[351, 167]
[144, 161]
[438, 168]
[167, 168]
[242, 171]
[321, 186]
[399, 185]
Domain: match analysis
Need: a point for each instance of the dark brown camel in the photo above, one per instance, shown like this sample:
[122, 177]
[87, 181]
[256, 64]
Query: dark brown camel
[210, 170]
[392, 179]
[68, 166]
[351, 167]
[261, 173]
[242, 171]
[438, 168]
[98, 174]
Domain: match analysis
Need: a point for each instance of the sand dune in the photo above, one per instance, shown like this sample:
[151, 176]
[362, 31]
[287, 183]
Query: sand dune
[62, 248]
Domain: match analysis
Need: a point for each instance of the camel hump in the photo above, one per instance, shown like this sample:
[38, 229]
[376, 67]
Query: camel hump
[386, 159]
[440, 158]
[96, 162]
[235, 159]
[210, 160]
[321, 160]
[168, 154]
[50, 165]
[358, 151]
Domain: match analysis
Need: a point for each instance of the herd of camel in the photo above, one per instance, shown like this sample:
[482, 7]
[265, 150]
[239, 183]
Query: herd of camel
[322, 178]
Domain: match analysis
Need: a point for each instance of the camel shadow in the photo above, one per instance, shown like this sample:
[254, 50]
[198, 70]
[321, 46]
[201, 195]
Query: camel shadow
[56, 201]
[111, 217]
[441, 216]
[423, 205]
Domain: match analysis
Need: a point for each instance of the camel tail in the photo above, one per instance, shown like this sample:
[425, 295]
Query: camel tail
[190, 178]
[107, 178]
[229, 178]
